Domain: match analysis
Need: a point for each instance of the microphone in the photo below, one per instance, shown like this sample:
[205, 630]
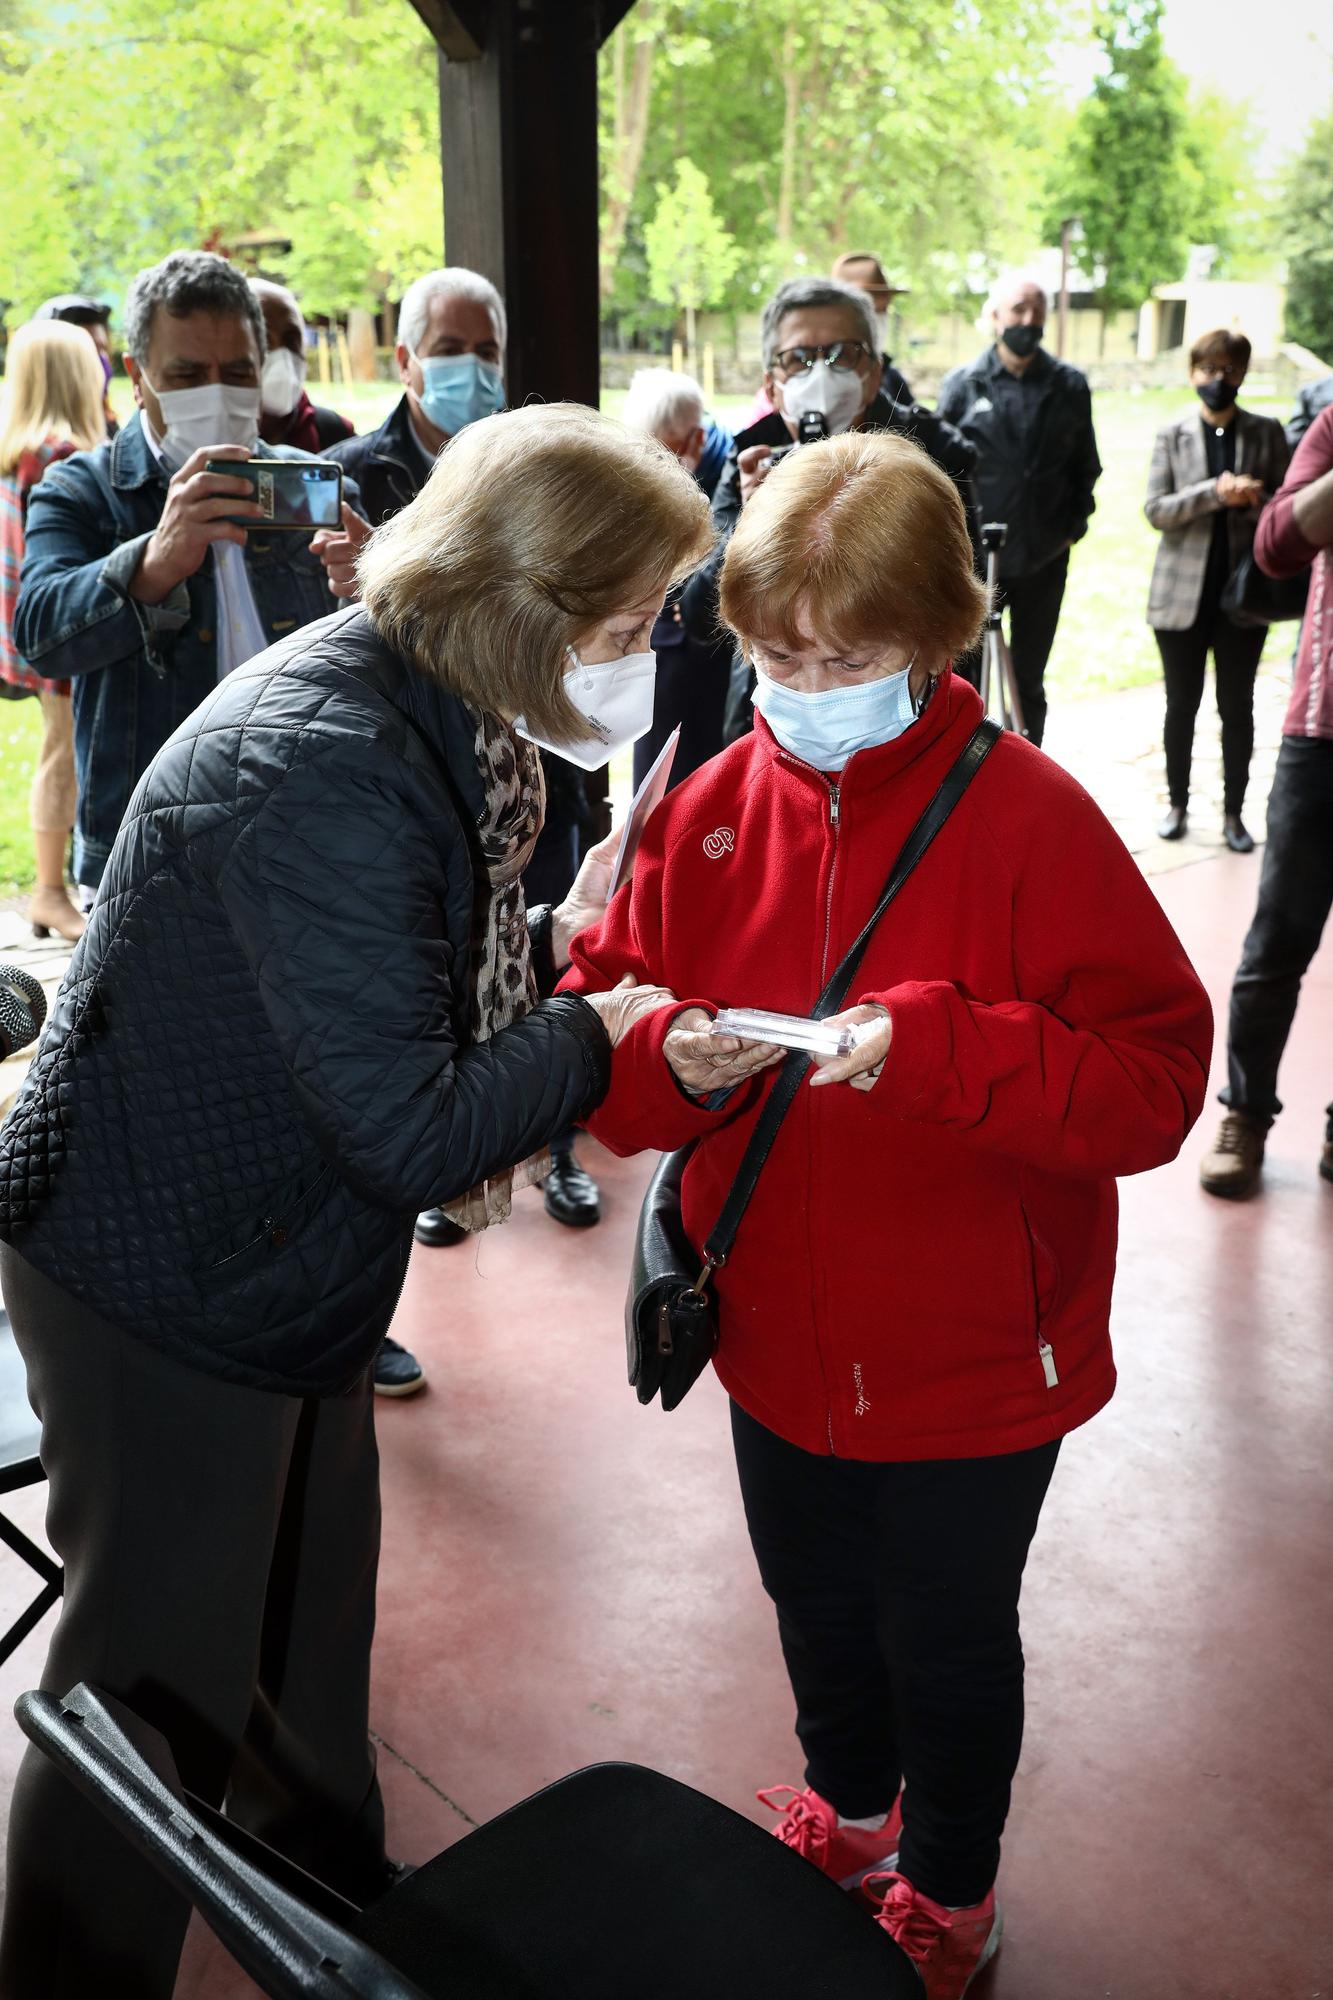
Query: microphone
[22, 1009]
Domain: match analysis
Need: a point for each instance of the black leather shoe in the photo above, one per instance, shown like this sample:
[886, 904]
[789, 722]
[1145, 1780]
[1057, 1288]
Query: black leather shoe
[433, 1227]
[397, 1373]
[572, 1196]
[1173, 826]
[1237, 835]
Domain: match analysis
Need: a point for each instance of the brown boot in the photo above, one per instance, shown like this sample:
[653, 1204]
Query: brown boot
[51, 910]
[1235, 1160]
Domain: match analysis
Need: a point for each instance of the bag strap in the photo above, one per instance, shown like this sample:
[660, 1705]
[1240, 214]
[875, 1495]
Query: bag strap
[783, 1094]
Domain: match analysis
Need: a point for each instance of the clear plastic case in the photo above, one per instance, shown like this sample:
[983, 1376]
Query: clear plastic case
[785, 1031]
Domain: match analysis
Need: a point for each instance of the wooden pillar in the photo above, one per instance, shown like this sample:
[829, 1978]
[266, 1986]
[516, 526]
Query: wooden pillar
[518, 134]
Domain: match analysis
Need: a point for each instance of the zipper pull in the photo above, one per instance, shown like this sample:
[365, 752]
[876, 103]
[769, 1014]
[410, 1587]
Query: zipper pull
[1047, 1355]
[834, 806]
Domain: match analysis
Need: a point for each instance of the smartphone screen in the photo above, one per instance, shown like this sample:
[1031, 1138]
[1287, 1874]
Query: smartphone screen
[301, 494]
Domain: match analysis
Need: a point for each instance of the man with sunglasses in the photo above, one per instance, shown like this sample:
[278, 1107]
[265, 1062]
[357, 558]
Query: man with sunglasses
[823, 372]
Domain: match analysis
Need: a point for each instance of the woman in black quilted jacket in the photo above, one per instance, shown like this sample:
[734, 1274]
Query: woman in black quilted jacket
[306, 1007]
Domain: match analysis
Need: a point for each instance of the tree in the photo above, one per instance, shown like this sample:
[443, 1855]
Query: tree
[692, 256]
[317, 120]
[1125, 174]
[1303, 222]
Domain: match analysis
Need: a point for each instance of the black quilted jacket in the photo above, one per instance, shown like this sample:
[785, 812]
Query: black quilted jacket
[258, 1069]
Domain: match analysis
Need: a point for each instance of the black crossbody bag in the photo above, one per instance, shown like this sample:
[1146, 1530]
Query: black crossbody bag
[670, 1316]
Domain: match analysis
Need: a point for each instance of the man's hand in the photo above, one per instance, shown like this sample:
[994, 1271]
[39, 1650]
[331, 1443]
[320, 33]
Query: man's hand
[703, 1063]
[754, 465]
[585, 905]
[192, 520]
[1238, 489]
[338, 549]
[626, 1004]
[862, 1067]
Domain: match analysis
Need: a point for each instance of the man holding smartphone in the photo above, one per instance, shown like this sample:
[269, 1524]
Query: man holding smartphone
[140, 583]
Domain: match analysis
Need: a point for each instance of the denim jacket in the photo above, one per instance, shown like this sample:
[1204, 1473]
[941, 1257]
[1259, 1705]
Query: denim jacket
[137, 670]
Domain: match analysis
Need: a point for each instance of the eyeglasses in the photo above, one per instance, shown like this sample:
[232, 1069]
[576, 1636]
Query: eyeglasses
[846, 356]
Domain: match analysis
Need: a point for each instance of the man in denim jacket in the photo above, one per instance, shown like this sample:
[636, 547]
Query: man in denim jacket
[135, 586]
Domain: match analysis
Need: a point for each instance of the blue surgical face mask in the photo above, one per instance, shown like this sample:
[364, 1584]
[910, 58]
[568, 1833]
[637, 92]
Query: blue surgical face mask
[826, 729]
[458, 390]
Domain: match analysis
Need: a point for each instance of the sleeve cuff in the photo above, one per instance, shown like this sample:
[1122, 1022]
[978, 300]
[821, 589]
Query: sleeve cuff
[171, 615]
[541, 938]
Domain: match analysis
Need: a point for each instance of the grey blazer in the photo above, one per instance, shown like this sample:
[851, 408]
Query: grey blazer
[1182, 501]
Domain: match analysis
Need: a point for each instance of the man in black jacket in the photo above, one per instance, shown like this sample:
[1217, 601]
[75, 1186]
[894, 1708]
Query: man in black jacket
[1029, 419]
[821, 361]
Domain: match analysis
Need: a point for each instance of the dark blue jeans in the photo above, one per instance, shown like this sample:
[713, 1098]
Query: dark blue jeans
[1295, 894]
[896, 1589]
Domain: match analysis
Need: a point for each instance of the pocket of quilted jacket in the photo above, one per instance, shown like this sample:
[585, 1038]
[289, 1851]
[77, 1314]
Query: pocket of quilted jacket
[277, 1233]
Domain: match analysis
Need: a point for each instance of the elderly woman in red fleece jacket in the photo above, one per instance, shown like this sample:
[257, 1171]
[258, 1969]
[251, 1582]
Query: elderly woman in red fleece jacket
[915, 1311]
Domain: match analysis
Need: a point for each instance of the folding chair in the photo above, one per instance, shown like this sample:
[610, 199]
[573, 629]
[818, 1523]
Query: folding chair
[614, 1882]
[20, 1435]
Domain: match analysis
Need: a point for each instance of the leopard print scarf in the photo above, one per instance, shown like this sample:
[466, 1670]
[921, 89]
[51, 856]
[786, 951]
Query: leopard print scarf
[504, 986]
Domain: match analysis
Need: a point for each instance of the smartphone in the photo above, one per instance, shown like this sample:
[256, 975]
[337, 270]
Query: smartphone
[299, 495]
[785, 1031]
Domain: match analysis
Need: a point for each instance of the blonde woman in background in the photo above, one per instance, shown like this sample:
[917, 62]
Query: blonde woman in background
[51, 407]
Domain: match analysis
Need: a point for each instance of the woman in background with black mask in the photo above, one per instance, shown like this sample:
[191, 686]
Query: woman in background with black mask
[1211, 476]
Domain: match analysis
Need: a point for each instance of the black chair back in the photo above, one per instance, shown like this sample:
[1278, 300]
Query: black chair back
[20, 1437]
[125, 1768]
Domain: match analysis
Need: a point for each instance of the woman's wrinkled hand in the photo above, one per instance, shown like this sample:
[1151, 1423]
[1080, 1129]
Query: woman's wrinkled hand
[626, 1005]
[862, 1067]
[703, 1063]
[585, 905]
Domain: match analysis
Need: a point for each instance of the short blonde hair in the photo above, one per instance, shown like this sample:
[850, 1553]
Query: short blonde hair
[534, 525]
[865, 538]
[53, 388]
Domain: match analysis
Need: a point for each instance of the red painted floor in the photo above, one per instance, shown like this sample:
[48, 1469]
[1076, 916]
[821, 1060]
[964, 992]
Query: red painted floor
[566, 1576]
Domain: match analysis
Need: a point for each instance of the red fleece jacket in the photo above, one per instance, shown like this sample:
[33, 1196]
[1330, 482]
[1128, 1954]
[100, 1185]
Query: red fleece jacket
[911, 1250]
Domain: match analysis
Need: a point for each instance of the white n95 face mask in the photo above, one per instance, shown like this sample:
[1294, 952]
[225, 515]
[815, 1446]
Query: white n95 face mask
[281, 382]
[615, 699]
[195, 419]
[833, 393]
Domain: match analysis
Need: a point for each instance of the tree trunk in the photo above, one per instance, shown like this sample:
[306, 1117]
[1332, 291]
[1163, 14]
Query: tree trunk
[690, 348]
[632, 105]
[791, 110]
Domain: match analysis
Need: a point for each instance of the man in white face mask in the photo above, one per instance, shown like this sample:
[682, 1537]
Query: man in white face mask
[286, 414]
[141, 583]
[823, 365]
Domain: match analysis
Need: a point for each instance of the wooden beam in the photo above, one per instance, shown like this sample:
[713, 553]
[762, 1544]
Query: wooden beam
[518, 132]
[459, 26]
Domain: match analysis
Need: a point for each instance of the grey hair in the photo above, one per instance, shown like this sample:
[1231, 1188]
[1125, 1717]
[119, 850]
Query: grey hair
[189, 281]
[1008, 281]
[808, 294]
[663, 403]
[454, 282]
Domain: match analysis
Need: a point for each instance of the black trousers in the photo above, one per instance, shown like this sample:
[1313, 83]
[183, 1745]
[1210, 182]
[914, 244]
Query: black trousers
[1295, 895]
[1236, 650]
[220, 1547]
[897, 1590]
[1034, 612]
[548, 878]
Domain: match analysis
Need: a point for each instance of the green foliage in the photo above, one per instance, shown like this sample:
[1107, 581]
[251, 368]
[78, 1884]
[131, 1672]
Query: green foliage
[1125, 172]
[692, 256]
[899, 126]
[1305, 223]
[149, 128]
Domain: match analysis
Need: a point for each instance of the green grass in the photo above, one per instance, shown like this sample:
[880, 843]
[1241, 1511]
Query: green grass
[20, 737]
[1102, 644]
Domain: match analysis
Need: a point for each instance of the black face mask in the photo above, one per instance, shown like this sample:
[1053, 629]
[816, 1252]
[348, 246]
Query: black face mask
[1022, 340]
[1217, 395]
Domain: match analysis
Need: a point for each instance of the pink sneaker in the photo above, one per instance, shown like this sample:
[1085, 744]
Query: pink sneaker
[810, 1825]
[947, 1947]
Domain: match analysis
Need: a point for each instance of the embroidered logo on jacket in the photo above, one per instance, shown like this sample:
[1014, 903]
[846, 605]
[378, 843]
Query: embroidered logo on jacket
[719, 843]
[862, 1400]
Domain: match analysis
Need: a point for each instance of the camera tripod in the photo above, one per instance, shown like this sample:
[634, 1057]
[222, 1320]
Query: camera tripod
[997, 663]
